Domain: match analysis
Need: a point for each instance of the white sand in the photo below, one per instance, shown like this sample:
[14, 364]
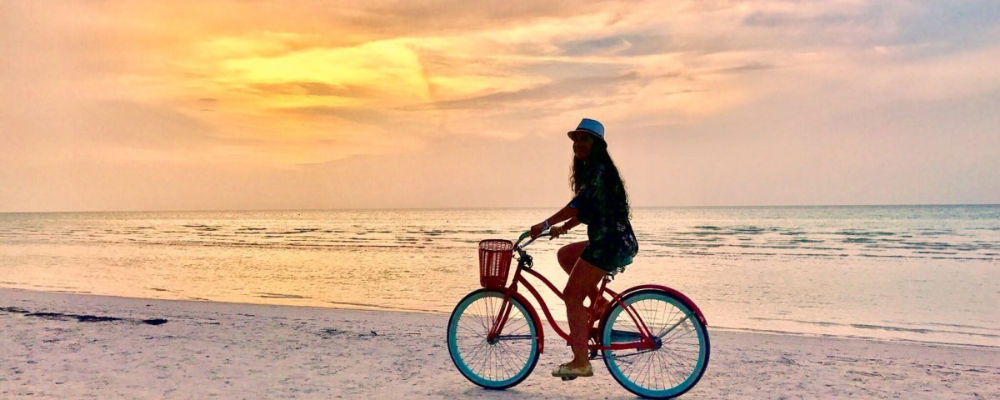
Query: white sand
[231, 351]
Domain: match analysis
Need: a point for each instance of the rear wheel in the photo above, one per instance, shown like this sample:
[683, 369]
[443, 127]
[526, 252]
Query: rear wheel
[493, 364]
[671, 368]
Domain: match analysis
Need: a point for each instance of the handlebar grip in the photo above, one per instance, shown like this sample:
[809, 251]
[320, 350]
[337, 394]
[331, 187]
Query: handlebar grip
[527, 234]
[523, 235]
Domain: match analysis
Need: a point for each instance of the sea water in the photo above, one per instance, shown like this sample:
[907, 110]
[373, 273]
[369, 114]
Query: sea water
[921, 273]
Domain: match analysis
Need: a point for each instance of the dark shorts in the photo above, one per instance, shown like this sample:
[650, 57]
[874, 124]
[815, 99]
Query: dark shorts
[610, 258]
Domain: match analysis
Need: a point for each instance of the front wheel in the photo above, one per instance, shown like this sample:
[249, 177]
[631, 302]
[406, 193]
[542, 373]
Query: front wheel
[678, 361]
[493, 364]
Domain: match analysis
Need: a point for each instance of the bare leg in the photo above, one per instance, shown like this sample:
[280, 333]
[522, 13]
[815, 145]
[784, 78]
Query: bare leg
[568, 255]
[582, 284]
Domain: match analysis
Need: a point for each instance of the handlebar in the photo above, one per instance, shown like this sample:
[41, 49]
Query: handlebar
[527, 234]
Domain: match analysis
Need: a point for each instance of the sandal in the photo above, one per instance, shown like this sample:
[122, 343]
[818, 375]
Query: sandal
[565, 371]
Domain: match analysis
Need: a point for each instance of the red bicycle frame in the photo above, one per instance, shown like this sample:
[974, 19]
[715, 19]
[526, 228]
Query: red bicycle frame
[645, 335]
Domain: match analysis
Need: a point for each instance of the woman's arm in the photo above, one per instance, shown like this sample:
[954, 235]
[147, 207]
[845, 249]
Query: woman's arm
[564, 214]
[557, 231]
[572, 223]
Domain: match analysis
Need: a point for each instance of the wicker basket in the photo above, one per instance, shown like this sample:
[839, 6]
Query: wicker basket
[494, 262]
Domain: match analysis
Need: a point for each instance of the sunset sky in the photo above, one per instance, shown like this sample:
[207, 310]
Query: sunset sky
[186, 105]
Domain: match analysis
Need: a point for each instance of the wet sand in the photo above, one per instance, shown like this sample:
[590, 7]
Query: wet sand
[60, 345]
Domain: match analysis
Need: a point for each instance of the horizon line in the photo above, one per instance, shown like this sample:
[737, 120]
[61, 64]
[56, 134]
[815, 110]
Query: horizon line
[501, 208]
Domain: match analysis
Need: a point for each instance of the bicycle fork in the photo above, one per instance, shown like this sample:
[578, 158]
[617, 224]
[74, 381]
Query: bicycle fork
[493, 336]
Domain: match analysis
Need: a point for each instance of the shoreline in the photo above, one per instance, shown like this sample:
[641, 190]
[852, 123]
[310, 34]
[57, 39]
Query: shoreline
[349, 306]
[230, 350]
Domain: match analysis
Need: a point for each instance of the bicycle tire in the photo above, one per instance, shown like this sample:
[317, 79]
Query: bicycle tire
[664, 372]
[507, 361]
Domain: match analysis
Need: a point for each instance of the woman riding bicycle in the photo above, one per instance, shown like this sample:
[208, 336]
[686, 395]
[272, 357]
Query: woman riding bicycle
[601, 203]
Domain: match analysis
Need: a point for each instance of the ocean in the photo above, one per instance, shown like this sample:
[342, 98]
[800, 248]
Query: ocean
[913, 273]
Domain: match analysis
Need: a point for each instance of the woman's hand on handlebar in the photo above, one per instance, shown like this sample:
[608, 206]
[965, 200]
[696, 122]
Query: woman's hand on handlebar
[537, 229]
[556, 231]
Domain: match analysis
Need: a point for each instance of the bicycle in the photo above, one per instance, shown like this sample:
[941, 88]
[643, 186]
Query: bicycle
[653, 339]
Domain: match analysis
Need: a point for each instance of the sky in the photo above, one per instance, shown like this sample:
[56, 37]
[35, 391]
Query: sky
[226, 104]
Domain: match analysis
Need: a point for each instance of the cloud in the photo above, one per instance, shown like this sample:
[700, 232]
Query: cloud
[942, 27]
[219, 86]
[311, 89]
[748, 67]
[602, 88]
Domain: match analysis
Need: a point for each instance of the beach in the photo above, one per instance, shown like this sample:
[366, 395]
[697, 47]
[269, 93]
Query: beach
[891, 273]
[66, 345]
[224, 199]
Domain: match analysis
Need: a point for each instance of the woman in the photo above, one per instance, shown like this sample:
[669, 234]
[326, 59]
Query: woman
[601, 203]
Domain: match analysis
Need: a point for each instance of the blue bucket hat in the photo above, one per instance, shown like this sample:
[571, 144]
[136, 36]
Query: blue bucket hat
[589, 126]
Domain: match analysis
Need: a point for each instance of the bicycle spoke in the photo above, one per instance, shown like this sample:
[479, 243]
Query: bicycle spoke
[671, 328]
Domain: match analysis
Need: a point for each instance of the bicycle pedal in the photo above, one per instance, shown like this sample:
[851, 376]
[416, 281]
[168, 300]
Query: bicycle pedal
[568, 378]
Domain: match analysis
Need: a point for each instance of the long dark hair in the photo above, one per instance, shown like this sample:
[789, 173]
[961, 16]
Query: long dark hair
[613, 185]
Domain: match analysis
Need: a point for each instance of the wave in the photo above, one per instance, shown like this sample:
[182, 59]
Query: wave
[967, 330]
[858, 232]
[279, 296]
[775, 232]
[673, 246]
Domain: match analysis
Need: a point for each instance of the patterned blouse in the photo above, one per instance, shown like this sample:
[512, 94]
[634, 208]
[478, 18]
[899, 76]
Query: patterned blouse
[599, 205]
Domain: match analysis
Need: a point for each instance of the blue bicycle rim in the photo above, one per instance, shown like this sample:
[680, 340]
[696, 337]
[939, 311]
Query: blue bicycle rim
[456, 354]
[696, 372]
